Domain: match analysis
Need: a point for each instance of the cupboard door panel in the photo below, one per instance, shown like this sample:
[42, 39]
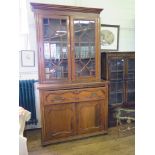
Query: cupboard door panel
[59, 121]
[90, 116]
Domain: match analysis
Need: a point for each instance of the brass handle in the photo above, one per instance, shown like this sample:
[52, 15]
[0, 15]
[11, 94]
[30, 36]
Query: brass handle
[76, 92]
[59, 98]
[93, 94]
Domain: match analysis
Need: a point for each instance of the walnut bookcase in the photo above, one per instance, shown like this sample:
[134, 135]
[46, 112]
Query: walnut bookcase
[73, 97]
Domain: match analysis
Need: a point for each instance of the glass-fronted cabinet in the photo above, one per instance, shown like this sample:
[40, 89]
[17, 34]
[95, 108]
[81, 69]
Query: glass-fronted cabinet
[68, 48]
[119, 69]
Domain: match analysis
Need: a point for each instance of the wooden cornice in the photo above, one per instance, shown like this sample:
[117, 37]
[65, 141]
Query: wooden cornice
[54, 7]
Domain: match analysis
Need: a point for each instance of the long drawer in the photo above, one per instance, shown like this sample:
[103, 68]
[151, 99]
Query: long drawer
[75, 95]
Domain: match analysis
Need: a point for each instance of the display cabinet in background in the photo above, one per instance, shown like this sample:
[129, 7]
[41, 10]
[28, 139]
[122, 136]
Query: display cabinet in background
[74, 102]
[119, 69]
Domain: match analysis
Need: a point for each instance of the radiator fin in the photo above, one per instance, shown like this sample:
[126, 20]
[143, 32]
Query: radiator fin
[27, 98]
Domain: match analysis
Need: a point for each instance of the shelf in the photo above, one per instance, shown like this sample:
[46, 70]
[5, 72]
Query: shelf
[131, 70]
[115, 71]
[55, 42]
[84, 30]
[131, 91]
[78, 59]
[115, 105]
[54, 59]
[85, 42]
[130, 79]
[58, 59]
[118, 92]
[119, 79]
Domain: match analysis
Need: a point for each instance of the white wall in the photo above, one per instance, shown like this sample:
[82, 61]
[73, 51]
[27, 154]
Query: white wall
[116, 12]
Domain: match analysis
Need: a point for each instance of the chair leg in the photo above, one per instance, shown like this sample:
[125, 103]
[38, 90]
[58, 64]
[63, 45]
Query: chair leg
[118, 123]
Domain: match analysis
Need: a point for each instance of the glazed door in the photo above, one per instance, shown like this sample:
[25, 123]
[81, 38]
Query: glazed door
[84, 49]
[117, 80]
[130, 81]
[55, 54]
[59, 121]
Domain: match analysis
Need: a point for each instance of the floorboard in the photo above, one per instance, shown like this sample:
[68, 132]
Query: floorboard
[110, 144]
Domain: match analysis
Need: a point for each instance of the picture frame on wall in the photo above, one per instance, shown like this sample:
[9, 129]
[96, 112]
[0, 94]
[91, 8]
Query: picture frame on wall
[110, 37]
[27, 58]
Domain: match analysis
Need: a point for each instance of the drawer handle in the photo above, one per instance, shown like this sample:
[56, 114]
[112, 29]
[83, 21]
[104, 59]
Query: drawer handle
[59, 98]
[76, 92]
[93, 94]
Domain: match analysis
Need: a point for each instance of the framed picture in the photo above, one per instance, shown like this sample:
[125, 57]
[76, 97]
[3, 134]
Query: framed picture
[27, 58]
[110, 37]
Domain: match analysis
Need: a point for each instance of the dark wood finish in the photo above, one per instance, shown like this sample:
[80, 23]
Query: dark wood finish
[119, 69]
[73, 97]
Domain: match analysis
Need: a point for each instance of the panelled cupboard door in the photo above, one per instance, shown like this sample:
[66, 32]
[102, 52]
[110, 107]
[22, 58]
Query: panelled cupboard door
[59, 121]
[90, 116]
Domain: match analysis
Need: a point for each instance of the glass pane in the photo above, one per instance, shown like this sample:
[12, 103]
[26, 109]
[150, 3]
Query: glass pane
[131, 97]
[84, 47]
[116, 86]
[116, 98]
[131, 74]
[131, 91]
[116, 64]
[131, 69]
[117, 76]
[116, 69]
[55, 48]
[131, 81]
[131, 64]
[131, 85]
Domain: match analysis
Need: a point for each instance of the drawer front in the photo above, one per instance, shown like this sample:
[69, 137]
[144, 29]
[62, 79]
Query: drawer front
[55, 97]
[92, 94]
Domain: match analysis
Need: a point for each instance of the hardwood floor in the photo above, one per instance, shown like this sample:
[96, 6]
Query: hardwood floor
[109, 144]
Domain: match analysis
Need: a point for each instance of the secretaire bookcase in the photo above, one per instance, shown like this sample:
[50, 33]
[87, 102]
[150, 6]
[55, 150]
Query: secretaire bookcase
[73, 98]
